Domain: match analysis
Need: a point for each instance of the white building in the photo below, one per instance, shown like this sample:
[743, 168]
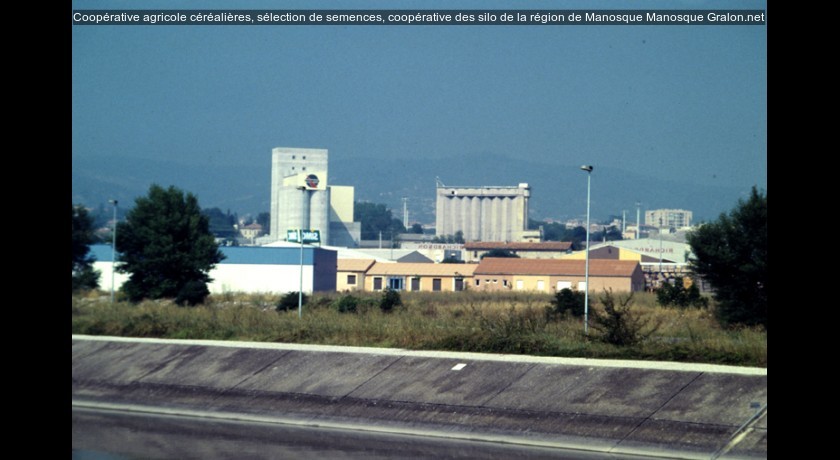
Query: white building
[670, 218]
[250, 269]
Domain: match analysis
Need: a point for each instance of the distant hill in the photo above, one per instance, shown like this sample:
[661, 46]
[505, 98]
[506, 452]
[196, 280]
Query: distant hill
[558, 191]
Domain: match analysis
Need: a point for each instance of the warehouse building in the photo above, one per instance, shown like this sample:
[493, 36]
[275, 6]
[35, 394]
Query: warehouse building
[473, 252]
[251, 269]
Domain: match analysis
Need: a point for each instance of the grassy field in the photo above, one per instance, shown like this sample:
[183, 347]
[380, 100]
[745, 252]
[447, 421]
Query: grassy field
[508, 322]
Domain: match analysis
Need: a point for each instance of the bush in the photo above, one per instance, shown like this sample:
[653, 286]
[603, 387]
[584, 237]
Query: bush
[565, 302]
[347, 304]
[193, 293]
[290, 301]
[619, 325]
[679, 296]
[390, 299]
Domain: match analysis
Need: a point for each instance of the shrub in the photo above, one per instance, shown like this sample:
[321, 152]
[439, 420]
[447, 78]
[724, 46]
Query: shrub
[192, 293]
[565, 302]
[620, 325]
[347, 304]
[679, 296]
[390, 299]
[290, 301]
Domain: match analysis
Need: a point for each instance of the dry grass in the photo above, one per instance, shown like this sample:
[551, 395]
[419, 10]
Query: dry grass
[465, 321]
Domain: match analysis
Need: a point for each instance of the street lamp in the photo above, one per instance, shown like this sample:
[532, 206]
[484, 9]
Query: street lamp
[300, 237]
[113, 248]
[588, 169]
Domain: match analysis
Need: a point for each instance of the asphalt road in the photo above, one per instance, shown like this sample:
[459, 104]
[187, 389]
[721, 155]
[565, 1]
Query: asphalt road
[112, 435]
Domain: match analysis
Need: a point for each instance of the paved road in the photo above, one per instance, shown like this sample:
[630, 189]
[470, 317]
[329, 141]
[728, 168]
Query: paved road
[100, 435]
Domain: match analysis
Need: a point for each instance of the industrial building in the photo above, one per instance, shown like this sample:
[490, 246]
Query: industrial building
[668, 218]
[251, 269]
[483, 213]
[301, 197]
[474, 252]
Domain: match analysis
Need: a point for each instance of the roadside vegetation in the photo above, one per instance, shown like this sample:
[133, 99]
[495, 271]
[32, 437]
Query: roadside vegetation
[510, 322]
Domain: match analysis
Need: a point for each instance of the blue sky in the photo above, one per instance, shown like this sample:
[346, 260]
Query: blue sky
[684, 102]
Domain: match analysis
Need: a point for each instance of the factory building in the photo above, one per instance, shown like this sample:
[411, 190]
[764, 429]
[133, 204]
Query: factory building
[301, 197]
[483, 213]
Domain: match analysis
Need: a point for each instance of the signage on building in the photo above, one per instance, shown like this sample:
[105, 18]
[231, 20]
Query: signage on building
[432, 246]
[309, 236]
[312, 181]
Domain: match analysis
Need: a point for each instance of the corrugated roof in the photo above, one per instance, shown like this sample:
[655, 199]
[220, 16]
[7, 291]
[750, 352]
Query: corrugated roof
[514, 266]
[421, 269]
[543, 246]
[354, 265]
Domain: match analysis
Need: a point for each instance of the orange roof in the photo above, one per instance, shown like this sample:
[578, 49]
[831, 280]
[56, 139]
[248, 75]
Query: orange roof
[420, 269]
[514, 266]
[544, 246]
[354, 265]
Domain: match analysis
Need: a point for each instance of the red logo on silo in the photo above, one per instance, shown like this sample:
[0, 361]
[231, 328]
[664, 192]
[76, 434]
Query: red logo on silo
[312, 181]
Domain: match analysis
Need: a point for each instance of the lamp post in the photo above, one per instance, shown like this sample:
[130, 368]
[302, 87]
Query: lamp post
[113, 248]
[588, 169]
[300, 237]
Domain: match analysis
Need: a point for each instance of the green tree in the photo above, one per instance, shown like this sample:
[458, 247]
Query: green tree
[417, 228]
[84, 276]
[731, 254]
[264, 219]
[221, 223]
[376, 218]
[166, 246]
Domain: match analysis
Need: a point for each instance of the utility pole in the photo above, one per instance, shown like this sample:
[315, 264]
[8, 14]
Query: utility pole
[637, 218]
[405, 212]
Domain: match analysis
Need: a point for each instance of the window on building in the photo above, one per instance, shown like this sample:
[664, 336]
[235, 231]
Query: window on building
[477, 282]
[504, 283]
[564, 285]
[293, 157]
[520, 284]
[459, 284]
[415, 284]
[436, 284]
[377, 284]
[540, 285]
[303, 168]
[351, 279]
[304, 157]
[396, 283]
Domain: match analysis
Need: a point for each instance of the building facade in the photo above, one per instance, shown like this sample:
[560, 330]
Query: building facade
[473, 252]
[483, 213]
[552, 275]
[668, 218]
[418, 277]
[251, 269]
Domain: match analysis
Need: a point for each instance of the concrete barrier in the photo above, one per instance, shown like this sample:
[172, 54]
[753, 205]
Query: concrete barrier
[663, 409]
